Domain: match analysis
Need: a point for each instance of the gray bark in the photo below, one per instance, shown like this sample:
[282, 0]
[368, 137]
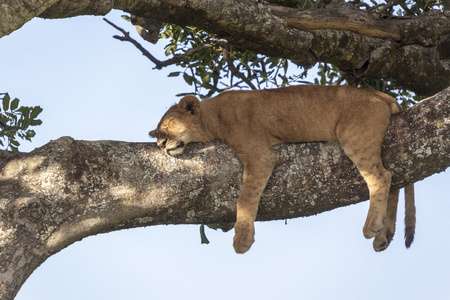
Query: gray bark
[68, 190]
[414, 55]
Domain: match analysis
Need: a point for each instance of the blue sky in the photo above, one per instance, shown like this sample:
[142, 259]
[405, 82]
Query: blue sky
[93, 87]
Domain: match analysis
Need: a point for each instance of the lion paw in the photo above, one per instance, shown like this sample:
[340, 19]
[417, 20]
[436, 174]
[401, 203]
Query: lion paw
[373, 225]
[243, 238]
[382, 240]
[241, 244]
[385, 235]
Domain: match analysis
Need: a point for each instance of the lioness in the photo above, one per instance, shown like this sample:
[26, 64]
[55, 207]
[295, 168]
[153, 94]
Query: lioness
[250, 122]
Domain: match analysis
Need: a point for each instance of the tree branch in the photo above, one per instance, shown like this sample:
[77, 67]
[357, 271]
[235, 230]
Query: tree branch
[16, 13]
[354, 20]
[127, 38]
[159, 64]
[253, 26]
[68, 190]
[431, 25]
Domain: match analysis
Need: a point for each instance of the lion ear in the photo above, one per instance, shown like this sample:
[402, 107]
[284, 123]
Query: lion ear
[189, 103]
[153, 133]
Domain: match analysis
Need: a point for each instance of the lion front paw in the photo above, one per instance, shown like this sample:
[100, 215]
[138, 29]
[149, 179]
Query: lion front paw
[385, 235]
[243, 238]
[383, 239]
[242, 244]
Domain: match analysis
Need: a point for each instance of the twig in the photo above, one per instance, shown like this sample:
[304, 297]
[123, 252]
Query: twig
[179, 57]
[161, 64]
[235, 71]
[126, 37]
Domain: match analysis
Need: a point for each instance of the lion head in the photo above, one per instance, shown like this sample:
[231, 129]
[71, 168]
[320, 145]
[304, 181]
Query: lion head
[179, 126]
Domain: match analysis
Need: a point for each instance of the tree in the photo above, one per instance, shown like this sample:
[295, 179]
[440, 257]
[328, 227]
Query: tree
[99, 175]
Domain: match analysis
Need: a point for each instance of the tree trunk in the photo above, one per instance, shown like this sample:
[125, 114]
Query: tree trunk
[68, 190]
[413, 52]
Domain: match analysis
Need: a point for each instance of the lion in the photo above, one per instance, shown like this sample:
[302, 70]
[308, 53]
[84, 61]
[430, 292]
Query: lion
[251, 122]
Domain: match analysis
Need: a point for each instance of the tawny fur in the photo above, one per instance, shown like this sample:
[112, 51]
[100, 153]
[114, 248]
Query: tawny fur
[251, 122]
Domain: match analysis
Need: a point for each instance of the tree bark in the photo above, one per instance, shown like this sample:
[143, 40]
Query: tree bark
[416, 54]
[431, 25]
[68, 190]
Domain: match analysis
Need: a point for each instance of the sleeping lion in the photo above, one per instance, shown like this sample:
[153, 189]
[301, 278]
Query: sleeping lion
[251, 122]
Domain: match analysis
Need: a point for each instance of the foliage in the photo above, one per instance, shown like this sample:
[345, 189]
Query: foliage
[218, 66]
[211, 65]
[15, 122]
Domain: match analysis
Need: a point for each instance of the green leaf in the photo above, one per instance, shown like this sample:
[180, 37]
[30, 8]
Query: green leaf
[126, 17]
[24, 110]
[184, 94]
[174, 74]
[35, 112]
[10, 129]
[6, 100]
[35, 122]
[14, 104]
[25, 124]
[188, 79]
[213, 226]
[206, 78]
[170, 49]
[3, 121]
[203, 235]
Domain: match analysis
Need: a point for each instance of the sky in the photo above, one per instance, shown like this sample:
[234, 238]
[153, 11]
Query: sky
[93, 87]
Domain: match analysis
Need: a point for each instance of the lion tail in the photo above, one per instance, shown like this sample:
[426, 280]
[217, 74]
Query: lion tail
[410, 215]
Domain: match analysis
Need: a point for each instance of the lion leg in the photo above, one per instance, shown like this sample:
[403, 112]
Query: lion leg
[257, 171]
[384, 237]
[364, 149]
[367, 158]
[378, 181]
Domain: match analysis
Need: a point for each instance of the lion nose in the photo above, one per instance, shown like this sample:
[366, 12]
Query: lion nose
[161, 143]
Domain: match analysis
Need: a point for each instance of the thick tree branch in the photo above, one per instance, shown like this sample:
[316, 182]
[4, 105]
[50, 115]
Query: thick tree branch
[354, 20]
[254, 26]
[431, 25]
[68, 190]
[16, 13]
